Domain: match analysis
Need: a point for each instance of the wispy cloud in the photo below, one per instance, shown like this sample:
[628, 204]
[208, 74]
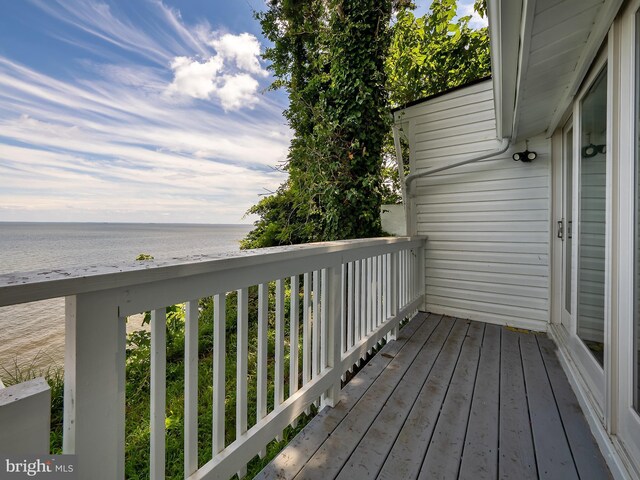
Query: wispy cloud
[140, 129]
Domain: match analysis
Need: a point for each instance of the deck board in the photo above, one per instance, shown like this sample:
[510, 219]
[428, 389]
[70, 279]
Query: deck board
[367, 459]
[517, 458]
[407, 454]
[553, 455]
[590, 464]
[447, 441]
[450, 399]
[335, 451]
[295, 455]
[480, 456]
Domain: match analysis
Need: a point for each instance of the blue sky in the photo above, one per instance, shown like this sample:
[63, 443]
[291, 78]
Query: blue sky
[136, 111]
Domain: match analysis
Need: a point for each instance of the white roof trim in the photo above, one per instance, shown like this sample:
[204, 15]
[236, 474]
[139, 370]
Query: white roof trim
[504, 29]
[528, 14]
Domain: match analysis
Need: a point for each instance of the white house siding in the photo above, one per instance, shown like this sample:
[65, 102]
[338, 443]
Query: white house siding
[487, 256]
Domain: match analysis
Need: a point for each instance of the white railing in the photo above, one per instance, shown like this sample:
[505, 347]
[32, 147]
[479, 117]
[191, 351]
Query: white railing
[353, 295]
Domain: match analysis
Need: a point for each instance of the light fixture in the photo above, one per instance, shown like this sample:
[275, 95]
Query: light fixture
[589, 151]
[526, 156]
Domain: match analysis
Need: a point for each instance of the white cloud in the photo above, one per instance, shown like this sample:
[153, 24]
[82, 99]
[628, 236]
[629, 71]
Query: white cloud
[238, 91]
[243, 50]
[229, 75]
[111, 149]
[194, 78]
[118, 142]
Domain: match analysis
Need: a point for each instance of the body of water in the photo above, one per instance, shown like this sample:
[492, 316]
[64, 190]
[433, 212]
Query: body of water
[34, 333]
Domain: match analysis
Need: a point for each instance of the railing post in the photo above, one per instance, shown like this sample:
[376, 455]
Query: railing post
[393, 334]
[191, 388]
[334, 332]
[94, 385]
[158, 393]
[422, 274]
[25, 416]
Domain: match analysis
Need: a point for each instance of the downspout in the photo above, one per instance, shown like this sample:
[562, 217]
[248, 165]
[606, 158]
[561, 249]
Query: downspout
[409, 194]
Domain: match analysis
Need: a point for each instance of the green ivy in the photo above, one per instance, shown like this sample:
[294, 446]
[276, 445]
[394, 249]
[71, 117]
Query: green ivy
[344, 64]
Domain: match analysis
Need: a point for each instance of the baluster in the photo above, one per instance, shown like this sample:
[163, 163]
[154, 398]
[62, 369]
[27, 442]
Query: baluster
[324, 294]
[403, 288]
[343, 314]
[393, 304]
[219, 352]
[370, 298]
[412, 280]
[368, 295]
[294, 323]
[263, 325]
[316, 325]
[349, 339]
[191, 388]
[379, 306]
[387, 283]
[357, 302]
[332, 290]
[278, 391]
[158, 392]
[242, 358]
[306, 331]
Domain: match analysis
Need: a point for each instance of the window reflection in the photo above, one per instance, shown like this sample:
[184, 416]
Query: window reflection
[592, 214]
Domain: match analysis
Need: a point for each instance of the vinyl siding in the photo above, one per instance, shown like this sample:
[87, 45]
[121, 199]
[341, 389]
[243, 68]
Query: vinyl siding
[487, 256]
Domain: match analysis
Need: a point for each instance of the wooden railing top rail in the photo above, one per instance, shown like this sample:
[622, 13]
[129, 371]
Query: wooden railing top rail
[22, 287]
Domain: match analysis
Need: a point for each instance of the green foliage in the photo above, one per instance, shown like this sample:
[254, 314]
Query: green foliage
[343, 65]
[329, 57]
[144, 257]
[428, 55]
[433, 53]
[284, 220]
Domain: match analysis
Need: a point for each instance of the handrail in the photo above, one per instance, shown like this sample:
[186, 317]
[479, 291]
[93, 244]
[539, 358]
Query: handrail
[352, 295]
[23, 287]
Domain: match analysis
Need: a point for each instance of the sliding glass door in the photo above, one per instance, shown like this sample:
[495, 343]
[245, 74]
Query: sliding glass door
[592, 160]
[628, 354]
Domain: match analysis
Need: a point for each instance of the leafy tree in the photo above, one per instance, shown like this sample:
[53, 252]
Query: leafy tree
[329, 55]
[343, 64]
[429, 55]
[433, 53]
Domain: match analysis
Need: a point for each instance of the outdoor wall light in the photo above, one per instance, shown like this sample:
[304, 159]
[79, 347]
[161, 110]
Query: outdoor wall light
[592, 150]
[525, 156]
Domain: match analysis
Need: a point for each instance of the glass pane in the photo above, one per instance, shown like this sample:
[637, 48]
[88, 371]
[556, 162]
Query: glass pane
[568, 201]
[592, 214]
[636, 336]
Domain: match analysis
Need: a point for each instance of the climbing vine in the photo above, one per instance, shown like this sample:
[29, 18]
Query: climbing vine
[343, 64]
[329, 55]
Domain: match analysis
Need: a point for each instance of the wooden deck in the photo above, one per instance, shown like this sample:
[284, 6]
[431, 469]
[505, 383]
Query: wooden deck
[450, 399]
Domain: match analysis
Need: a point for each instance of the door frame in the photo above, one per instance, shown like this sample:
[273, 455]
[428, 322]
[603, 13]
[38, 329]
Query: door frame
[566, 318]
[613, 420]
[626, 419]
[593, 374]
